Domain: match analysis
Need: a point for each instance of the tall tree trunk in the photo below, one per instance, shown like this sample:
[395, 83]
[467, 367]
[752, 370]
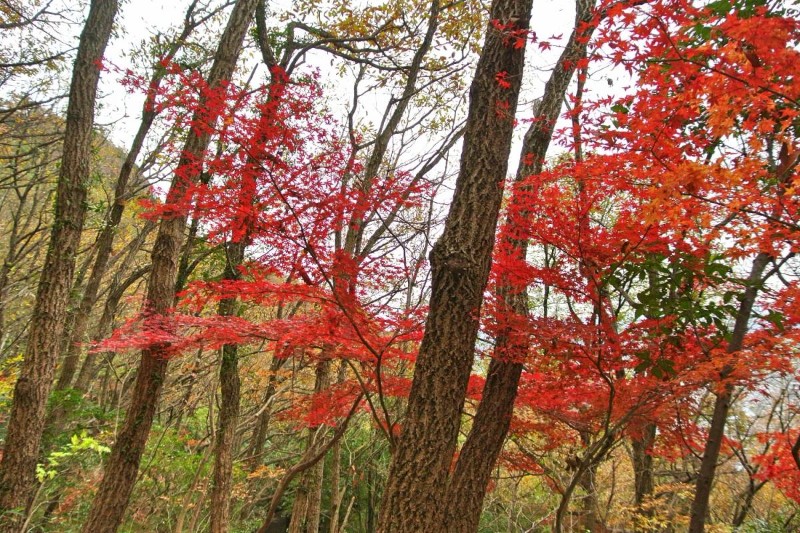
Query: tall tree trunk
[467, 488]
[336, 494]
[26, 422]
[112, 498]
[722, 404]
[230, 385]
[460, 262]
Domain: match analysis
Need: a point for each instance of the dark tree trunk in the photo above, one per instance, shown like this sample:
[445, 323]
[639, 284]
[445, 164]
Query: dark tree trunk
[230, 385]
[722, 404]
[460, 262]
[467, 488]
[26, 422]
[108, 507]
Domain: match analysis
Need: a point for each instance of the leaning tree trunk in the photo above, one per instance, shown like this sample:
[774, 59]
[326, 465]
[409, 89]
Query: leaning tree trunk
[26, 422]
[112, 498]
[460, 263]
[467, 487]
[722, 404]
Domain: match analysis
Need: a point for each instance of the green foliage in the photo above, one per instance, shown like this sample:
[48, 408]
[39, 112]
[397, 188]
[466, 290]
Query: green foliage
[76, 451]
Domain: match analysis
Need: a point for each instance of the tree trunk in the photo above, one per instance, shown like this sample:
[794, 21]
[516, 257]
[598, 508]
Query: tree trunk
[309, 459]
[230, 385]
[589, 519]
[26, 422]
[109, 505]
[643, 464]
[467, 488]
[308, 500]
[460, 262]
[337, 494]
[262, 423]
[722, 404]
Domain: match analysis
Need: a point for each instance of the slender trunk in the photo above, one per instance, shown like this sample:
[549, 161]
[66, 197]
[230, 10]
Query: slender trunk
[310, 458]
[26, 421]
[112, 498]
[337, 495]
[460, 263]
[308, 500]
[743, 509]
[230, 385]
[186, 501]
[262, 424]
[716, 430]
[104, 327]
[592, 456]
[467, 488]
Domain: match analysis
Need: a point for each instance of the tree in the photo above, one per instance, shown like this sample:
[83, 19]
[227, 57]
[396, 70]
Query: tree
[33, 386]
[112, 497]
[460, 262]
[491, 422]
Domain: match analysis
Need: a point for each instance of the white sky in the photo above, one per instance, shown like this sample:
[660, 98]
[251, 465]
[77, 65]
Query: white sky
[140, 19]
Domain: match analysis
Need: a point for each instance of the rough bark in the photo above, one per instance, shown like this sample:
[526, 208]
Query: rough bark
[109, 505]
[722, 403]
[460, 262]
[26, 422]
[230, 385]
[467, 487]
